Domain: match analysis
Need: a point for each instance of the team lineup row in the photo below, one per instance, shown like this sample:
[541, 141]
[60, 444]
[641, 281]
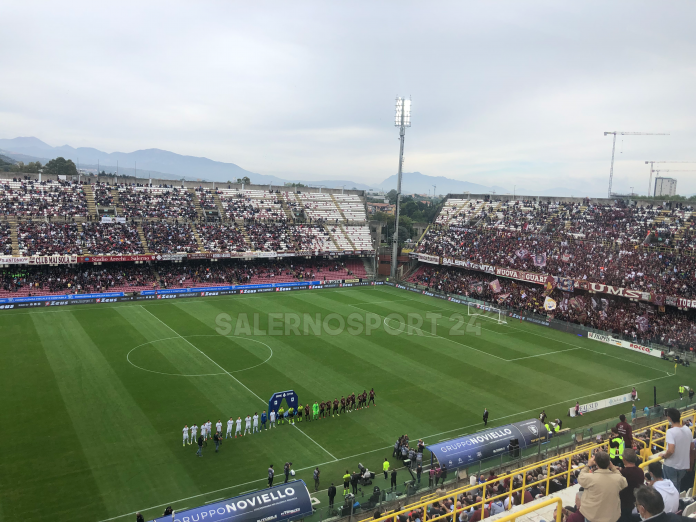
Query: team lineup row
[318, 411]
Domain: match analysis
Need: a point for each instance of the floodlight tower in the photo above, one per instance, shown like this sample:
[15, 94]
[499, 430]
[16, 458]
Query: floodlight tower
[613, 148]
[401, 120]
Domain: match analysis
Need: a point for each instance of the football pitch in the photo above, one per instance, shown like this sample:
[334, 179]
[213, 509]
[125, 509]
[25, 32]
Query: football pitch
[95, 397]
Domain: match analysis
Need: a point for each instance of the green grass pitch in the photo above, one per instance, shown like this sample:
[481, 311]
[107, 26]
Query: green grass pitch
[95, 396]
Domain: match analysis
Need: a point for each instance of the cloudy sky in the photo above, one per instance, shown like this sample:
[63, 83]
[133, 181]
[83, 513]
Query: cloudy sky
[504, 93]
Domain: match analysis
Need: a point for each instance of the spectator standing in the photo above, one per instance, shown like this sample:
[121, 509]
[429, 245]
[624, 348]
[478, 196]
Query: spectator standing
[635, 478]
[625, 430]
[670, 495]
[600, 500]
[678, 440]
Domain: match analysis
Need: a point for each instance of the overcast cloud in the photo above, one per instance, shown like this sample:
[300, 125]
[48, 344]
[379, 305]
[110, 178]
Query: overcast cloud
[504, 93]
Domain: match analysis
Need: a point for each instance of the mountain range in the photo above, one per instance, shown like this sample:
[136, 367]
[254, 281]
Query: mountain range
[164, 164]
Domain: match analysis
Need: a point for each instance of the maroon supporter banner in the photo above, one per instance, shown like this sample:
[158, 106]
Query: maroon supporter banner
[426, 258]
[529, 277]
[682, 302]
[38, 260]
[137, 257]
[623, 292]
[489, 269]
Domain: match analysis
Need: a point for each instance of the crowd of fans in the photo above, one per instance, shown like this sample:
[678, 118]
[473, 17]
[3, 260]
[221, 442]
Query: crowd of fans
[5, 238]
[627, 319]
[30, 198]
[650, 271]
[103, 196]
[162, 201]
[169, 238]
[38, 280]
[46, 239]
[111, 239]
[222, 238]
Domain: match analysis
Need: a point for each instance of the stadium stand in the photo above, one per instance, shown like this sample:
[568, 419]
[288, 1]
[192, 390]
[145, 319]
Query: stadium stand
[169, 238]
[5, 238]
[252, 204]
[29, 198]
[223, 238]
[111, 239]
[47, 239]
[164, 202]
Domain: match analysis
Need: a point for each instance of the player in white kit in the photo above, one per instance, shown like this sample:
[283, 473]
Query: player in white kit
[272, 418]
[256, 422]
[203, 428]
[230, 423]
[194, 433]
[218, 427]
[238, 431]
[247, 427]
[186, 435]
[208, 429]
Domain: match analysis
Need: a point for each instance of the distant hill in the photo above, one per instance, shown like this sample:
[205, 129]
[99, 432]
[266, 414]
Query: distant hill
[156, 160]
[417, 183]
[169, 165]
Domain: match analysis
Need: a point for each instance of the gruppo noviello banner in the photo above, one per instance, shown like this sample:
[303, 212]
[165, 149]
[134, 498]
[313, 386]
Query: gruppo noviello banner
[478, 446]
[283, 502]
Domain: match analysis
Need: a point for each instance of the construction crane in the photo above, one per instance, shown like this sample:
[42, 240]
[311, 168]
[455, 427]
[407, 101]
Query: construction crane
[652, 163]
[613, 147]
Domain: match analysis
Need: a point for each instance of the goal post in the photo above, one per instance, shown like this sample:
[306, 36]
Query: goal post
[487, 312]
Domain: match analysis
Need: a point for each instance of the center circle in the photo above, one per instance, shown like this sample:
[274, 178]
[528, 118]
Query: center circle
[203, 354]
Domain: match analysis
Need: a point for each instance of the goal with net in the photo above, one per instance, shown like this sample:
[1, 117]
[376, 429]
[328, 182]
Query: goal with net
[487, 312]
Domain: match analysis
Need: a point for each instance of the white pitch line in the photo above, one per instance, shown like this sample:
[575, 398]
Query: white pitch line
[232, 376]
[547, 353]
[432, 334]
[555, 340]
[381, 449]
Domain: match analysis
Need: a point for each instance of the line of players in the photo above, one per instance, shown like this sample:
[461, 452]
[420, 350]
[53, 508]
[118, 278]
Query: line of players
[318, 411]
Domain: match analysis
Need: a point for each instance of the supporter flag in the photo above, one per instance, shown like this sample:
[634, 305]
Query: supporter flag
[575, 303]
[565, 284]
[565, 257]
[522, 253]
[549, 304]
[539, 259]
[642, 322]
[495, 286]
[502, 298]
[659, 300]
[594, 303]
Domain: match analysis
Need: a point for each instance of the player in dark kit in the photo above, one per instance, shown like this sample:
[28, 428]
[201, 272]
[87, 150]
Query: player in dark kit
[306, 413]
[372, 398]
[343, 405]
[335, 406]
[328, 408]
[352, 401]
[321, 409]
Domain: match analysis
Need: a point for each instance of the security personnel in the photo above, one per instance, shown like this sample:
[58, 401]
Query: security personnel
[681, 392]
[549, 433]
[385, 468]
[616, 448]
[556, 428]
[346, 483]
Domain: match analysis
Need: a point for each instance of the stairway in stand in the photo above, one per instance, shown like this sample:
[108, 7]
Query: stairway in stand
[338, 207]
[12, 221]
[198, 238]
[345, 234]
[141, 234]
[91, 205]
[197, 204]
[333, 239]
[82, 245]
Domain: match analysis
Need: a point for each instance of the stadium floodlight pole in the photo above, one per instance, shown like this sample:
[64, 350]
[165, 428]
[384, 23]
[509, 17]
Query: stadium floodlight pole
[401, 120]
[613, 148]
